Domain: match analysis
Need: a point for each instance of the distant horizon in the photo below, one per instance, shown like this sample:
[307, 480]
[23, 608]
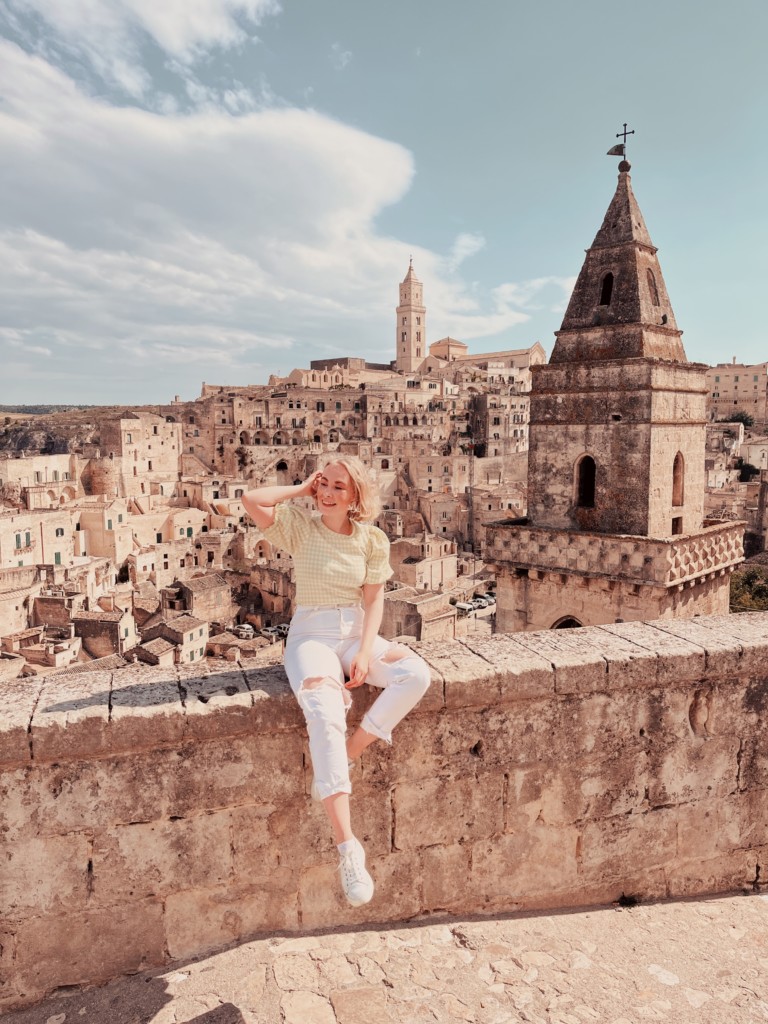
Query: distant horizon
[233, 195]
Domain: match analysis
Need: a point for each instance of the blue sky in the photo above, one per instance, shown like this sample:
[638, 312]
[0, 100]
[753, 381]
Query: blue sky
[217, 190]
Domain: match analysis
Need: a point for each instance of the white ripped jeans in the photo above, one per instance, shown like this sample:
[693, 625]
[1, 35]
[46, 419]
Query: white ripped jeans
[321, 645]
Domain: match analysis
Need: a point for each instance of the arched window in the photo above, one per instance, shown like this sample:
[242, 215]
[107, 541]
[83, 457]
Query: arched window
[568, 622]
[585, 482]
[678, 480]
[652, 287]
[606, 289]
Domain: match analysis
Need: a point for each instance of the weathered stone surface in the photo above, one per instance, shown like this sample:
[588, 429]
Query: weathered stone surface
[467, 678]
[519, 795]
[679, 660]
[156, 858]
[578, 662]
[18, 698]
[365, 1005]
[522, 672]
[89, 946]
[723, 652]
[217, 704]
[146, 708]
[45, 875]
[432, 812]
[198, 919]
[306, 1008]
[274, 705]
[72, 713]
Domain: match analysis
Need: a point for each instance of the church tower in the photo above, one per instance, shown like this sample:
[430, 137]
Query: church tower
[411, 327]
[616, 478]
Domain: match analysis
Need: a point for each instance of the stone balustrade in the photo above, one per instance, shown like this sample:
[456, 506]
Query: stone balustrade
[149, 816]
[649, 561]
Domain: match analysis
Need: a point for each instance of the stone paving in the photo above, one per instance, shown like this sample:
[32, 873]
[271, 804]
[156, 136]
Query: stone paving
[703, 961]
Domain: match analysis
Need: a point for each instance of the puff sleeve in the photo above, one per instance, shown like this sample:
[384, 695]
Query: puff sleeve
[377, 567]
[290, 528]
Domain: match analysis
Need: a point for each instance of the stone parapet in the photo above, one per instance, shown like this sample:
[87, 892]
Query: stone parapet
[149, 816]
[647, 561]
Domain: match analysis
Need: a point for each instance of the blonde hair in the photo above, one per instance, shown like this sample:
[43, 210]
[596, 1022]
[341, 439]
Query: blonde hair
[367, 504]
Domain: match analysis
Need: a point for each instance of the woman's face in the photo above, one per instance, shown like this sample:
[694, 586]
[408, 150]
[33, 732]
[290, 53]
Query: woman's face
[335, 490]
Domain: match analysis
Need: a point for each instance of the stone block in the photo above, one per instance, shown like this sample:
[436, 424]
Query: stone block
[577, 662]
[503, 736]
[523, 674]
[57, 799]
[723, 652]
[231, 771]
[397, 894]
[630, 665]
[702, 827]
[509, 872]
[45, 876]
[468, 679]
[729, 871]
[567, 793]
[274, 705]
[679, 660]
[694, 770]
[363, 1005]
[18, 698]
[71, 719]
[134, 861]
[146, 709]
[217, 704]
[441, 811]
[648, 838]
[9, 993]
[303, 1007]
[200, 920]
[88, 947]
[743, 820]
[445, 870]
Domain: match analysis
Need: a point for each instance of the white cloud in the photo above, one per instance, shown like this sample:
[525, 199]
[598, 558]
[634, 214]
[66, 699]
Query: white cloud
[340, 57]
[110, 34]
[464, 246]
[145, 252]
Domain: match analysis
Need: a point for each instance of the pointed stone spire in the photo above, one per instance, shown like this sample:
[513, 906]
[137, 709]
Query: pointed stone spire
[620, 308]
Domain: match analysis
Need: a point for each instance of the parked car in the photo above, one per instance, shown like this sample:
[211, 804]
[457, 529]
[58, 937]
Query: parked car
[271, 633]
[283, 628]
[464, 607]
[490, 598]
[244, 631]
[479, 602]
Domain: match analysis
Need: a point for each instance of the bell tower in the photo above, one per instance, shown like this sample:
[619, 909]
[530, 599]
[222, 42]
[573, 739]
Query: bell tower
[615, 528]
[411, 326]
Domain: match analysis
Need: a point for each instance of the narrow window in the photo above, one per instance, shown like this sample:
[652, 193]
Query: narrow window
[678, 473]
[606, 290]
[677, 525]
[585, 484]
[652, 287]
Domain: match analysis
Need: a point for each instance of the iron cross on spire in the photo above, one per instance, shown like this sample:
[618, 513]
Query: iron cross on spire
[623, 135]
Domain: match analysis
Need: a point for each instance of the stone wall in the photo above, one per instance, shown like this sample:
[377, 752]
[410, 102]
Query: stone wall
[148, 817]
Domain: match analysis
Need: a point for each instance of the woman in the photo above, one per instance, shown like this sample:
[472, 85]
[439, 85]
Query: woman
[341, 563]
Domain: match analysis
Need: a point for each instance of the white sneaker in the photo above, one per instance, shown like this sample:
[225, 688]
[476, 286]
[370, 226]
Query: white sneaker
[314, 792]
[355, 880]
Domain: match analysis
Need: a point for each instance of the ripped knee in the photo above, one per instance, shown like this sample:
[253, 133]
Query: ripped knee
[398, 652]
[411, 667]
[316, 682]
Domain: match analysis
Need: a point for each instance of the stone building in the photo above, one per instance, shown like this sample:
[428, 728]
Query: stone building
[737, 387]
[41, 481]
[616, 458]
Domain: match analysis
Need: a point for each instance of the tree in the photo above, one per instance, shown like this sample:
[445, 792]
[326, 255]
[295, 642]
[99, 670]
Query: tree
[749, 589]
[739, 417]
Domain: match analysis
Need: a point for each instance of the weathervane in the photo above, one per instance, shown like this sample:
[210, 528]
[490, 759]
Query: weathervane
[621, 148]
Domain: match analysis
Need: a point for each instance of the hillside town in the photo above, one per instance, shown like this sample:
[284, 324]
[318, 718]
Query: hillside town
[123, 535]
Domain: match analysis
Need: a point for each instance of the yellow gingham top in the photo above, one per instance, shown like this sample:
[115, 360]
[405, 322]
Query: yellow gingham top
[330, 567]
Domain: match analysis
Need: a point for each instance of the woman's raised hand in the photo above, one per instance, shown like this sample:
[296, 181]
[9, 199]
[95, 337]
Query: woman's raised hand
[309, 487]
